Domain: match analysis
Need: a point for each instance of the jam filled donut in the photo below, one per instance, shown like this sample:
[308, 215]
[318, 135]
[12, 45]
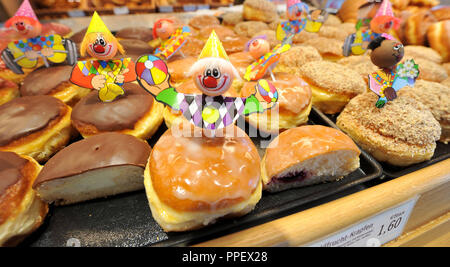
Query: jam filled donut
[308, 155]
[418, 51]
[401, 133]
[21, 210]
[179, 68]
[332, 84]
[361, 64]
[135, 113]
[191, 182]
[54, 81]
[103, 165]
[294, 104]
[297, 56]
[330, 49]
[8, 91]
[36, 126]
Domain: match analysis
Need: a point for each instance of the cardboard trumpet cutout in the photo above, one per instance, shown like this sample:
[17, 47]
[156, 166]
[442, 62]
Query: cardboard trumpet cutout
[103, 73]
[29, 47]
[391, 77]
[213, 75]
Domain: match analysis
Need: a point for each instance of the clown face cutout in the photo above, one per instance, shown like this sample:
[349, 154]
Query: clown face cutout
[213, 76]
[101, 47]
[386, 53]
[163, 29]
[258, 47]
[295, 12]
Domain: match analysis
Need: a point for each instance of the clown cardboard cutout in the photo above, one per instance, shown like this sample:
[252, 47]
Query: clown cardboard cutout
[213, 75]
[104, 74]
[28, 47]
[172, 39]
[386, 54]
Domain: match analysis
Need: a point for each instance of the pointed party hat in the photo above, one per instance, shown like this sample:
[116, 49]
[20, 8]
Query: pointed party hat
[25, 11]
[97, 25]
[213, 48]
[385, 9]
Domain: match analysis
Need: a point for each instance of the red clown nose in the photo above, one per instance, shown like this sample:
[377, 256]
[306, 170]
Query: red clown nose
[210, 82]
[99, 49]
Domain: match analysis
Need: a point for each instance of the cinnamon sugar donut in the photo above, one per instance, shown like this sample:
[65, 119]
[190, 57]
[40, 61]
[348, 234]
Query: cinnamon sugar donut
[193, 181]
[8, 91]
[135, 113]
[329, 49]
[292, 109]
[361, 64]
[430, 71]
[332, 32]
[401, 133]
[446, 66]
[332, 20]
[297, 56]
[332, 84]
[417, 51]
[21, 210]
[230, 19]
[260, 10]
[304, 36]
[54, 81]
[436, 97]
[446, 82]
[35, 126]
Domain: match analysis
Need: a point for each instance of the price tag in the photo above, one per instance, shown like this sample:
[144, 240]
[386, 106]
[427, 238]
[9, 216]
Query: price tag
[76, 13]
[166, 9]
[374, 232]
[121, 10]
[189, 8]
[202, 7]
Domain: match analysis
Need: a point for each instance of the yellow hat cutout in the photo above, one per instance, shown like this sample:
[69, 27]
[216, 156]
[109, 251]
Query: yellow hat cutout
[97, 25]
[213, 48]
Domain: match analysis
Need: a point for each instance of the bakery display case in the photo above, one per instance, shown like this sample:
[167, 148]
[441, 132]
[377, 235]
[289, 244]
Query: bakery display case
[316, 157]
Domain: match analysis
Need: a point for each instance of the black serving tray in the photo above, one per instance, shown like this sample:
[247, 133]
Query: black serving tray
[441, 152]
[126, 220]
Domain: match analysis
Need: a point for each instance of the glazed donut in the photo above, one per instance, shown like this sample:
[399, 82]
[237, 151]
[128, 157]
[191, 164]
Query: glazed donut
[436, 97]
[297, 56]
[221, 31]
[260, 10]
[332, 84]
[439, 38]
[250, 28]
[179, 69]
[329, 49]
[292, 109]
[361, 64]
[401, 133]
[416, 26]
[200, 21]
[137, 33]
[241, 61]
[308, 155]
[400, 4]
[191, 182]
[193, 46]
[103, 165]
[36, 126]
[135, 113]
[417, 51]
[424, 2]
[234, 44]
[441, 12]
[8, 91]
[54, 81]
[21, 210]
[7, 74]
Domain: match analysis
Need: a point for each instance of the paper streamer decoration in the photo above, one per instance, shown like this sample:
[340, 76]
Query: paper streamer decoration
[174, 43]
[258, 69]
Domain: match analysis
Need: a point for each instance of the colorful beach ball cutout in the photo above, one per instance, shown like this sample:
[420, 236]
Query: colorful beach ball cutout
[268, 91]
[151, 69]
